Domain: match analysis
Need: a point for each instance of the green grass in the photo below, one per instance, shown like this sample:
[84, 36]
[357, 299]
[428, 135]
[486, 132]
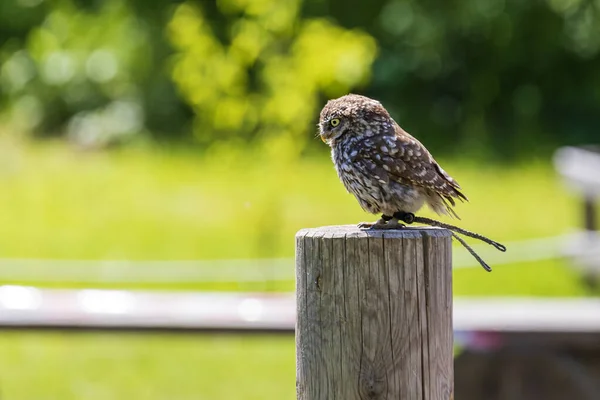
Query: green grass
[55, 366]
[138, 204]
[171, 205]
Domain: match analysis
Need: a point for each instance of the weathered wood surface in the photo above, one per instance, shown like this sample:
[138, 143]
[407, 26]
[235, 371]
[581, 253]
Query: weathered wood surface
[374, 314]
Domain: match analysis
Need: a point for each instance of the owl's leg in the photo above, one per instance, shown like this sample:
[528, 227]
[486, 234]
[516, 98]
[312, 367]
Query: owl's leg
[393, 224]
[377, 224]
[385, 222]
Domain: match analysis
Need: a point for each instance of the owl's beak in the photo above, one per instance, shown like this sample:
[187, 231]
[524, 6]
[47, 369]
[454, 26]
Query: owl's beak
[324, 134]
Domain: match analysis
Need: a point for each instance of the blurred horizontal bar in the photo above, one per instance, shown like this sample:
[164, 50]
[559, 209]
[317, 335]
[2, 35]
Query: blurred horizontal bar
[259, 270]
[579, 168]
[527, 314]
[137, 310]
[23, 307]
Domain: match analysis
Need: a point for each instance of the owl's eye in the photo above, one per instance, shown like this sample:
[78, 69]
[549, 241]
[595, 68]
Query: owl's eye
[335, 122]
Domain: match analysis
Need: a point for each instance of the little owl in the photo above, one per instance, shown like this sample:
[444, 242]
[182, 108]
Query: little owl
[385, 168]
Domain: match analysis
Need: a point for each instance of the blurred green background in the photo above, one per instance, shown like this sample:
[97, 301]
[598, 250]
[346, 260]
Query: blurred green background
[169, 130]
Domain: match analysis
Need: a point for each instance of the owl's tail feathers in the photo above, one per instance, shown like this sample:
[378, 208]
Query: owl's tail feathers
[449, 203]
[460, 195]
[450, 187]
[442, 204]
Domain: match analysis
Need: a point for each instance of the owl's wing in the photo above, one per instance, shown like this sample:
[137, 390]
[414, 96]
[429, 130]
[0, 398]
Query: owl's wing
[403, 159]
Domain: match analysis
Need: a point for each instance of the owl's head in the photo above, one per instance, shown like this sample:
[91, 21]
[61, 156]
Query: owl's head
[350, 115]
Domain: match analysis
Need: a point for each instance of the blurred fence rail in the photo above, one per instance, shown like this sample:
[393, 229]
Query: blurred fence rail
[30, 307]
[95, 309]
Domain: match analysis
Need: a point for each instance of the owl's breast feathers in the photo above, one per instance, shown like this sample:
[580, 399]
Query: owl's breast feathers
[397, 156]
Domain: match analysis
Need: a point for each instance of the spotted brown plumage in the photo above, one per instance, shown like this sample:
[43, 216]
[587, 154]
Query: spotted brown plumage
[382, 165]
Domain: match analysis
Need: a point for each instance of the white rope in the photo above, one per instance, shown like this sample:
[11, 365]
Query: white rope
[254, 270]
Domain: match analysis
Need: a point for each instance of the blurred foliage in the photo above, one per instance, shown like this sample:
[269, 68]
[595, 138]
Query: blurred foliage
[506, 77]
[84, 70]
[264, 78]
[491, 77]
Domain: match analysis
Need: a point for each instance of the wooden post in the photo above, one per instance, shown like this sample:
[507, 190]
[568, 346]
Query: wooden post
[374, 314]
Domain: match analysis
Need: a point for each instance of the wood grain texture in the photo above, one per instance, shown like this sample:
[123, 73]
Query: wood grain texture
[374, 314]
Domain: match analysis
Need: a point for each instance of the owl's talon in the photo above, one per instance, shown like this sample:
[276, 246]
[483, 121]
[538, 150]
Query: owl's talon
[373, 225]
[366, 225]
[381, 224]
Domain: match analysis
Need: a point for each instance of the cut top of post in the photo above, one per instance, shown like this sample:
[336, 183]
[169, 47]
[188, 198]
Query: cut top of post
[340, 231]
